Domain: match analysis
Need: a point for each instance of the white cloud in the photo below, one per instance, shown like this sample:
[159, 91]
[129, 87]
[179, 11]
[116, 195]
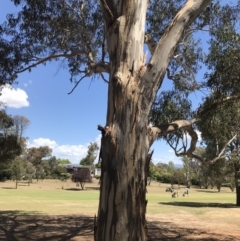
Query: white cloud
[72, 152]
[15, 98]
[43, 142]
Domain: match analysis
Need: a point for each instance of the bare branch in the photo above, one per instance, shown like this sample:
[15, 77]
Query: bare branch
[50, 57]
[190, 153]
[220, 155]
[75, 86]
[106, 81]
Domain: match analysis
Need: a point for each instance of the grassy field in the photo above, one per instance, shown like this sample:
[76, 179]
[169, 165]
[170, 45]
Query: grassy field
[203, 209]
[54, 197]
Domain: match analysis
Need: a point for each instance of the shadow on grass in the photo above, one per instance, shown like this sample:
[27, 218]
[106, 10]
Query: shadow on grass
[207, 190]
[8, 187]
[73, 189]
[20, 226]
[167, 231]
[92, 188]
[200, 204]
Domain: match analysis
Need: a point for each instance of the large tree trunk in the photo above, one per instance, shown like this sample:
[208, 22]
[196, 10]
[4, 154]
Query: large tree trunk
[125, 144]
[126, 138]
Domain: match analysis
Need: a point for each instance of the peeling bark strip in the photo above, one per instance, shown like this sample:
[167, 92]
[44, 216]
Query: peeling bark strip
[126, 138]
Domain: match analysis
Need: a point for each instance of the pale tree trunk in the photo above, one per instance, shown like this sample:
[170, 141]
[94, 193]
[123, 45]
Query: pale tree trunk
[126, 138]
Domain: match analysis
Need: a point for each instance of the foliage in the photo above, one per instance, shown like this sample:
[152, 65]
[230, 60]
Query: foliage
[91, 154]
[63, 161]
[152, 173]
[9, 145]
[17, 170]
[47, 29]
[53, 163]
[20, 125]
[81, 176]
[36, 154]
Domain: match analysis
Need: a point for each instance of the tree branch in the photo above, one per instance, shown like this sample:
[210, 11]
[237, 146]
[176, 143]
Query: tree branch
[97, 68]
[109, 11]
[50, 57]
[165, 48]
[156, 131]
[203, 111]
[77, 83]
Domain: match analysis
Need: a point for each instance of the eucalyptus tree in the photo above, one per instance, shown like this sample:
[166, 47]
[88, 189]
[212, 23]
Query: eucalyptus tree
[20, 125]
[107, 39]
[220, 130]
[220, 133]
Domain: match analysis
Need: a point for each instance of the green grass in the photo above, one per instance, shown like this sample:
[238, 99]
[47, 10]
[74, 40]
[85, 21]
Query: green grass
[160, 201]
[48, 197]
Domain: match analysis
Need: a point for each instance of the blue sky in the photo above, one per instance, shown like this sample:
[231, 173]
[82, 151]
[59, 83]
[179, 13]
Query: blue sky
[66, 123]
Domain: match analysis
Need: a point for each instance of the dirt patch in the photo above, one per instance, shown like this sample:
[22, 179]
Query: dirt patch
[15, 226]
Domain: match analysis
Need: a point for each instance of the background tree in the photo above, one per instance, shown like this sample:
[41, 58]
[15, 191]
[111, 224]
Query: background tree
[91, 154]
[152, 173]
[36, 156]
[17, 170]
[20, 125]
[108, 38]
[63, 161]
[53, 162]
[30, 171]
[82, 176]
[9, 145]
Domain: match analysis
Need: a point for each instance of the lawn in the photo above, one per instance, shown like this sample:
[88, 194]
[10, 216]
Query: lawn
[204, 210]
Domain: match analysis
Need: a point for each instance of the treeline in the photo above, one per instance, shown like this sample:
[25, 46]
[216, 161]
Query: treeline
[17, 162]
[199, 174]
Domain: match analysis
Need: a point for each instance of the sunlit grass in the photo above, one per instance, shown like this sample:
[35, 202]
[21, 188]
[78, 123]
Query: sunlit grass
[52, 197]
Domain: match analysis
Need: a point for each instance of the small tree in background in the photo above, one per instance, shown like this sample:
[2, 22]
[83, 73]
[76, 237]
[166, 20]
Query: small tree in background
[17, 170]
[82, 176]
[63, 161]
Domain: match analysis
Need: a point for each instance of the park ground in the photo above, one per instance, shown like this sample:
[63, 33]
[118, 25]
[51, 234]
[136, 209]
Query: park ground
[52, 210]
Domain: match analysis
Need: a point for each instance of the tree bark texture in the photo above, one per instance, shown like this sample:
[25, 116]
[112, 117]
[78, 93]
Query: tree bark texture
[126, 138]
